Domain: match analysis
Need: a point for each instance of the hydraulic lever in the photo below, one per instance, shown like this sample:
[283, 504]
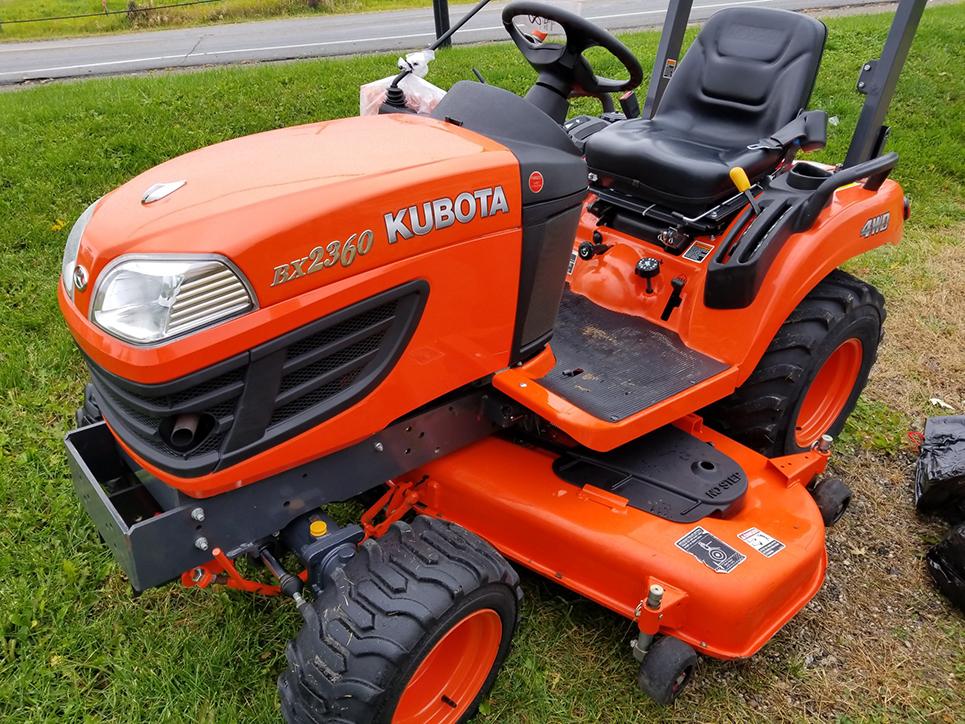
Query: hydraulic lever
[676, 294]
[743, 184]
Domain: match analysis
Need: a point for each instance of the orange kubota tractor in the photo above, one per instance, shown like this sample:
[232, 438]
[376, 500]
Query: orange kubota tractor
[612, 350]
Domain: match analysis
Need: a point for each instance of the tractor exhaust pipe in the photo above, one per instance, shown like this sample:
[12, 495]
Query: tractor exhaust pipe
[184, 431]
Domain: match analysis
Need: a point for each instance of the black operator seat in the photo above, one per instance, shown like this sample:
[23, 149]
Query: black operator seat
[744, 82]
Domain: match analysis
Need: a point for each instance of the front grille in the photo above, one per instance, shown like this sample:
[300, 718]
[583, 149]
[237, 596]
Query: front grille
[211, 291]
[275, 391]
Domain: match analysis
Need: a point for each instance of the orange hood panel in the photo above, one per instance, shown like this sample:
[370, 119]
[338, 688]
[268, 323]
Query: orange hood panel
[266, 199]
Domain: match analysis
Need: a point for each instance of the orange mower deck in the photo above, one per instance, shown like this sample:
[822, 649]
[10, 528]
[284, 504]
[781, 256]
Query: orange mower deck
[594, 543]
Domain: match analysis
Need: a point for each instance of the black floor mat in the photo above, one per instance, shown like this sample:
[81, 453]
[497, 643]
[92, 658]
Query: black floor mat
[614, 365]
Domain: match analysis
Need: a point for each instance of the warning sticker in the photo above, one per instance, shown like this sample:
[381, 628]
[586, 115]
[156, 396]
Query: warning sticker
[761, 542]
[698, 251]
[710, 550]
[669, 67]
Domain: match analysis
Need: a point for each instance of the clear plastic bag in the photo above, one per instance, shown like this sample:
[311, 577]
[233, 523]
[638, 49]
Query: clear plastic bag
[421, 96]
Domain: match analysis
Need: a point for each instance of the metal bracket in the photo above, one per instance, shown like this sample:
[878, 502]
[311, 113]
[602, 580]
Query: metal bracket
[154, 543]
[221, 570]
[800, 468]
[396, 502]
[864, 78]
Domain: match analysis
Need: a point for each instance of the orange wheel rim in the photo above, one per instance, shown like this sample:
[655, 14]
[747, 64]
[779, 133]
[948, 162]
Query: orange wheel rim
[452, 673]
[829, 392]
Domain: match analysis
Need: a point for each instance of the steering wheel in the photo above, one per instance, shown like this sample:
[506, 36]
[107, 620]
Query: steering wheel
[563, 68]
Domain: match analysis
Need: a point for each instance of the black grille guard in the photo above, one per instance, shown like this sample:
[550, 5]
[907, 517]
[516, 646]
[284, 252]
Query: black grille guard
[271, 393]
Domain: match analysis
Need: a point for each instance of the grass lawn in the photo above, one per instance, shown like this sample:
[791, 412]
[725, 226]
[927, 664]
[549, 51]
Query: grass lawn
[216, 11]
[877, 644]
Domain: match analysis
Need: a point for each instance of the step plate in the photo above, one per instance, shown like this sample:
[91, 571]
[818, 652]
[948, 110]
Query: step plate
[667, 473]
[615, 365]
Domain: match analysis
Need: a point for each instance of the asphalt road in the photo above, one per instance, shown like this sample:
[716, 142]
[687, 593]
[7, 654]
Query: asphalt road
[310, 37]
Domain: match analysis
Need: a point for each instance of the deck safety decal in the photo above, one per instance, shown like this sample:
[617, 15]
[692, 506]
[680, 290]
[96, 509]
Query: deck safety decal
[710, 550]
[761, 542]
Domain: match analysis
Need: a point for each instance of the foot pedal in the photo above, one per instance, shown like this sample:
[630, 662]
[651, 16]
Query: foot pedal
[667, 473]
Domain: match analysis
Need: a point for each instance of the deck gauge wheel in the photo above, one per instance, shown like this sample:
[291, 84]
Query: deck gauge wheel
[666, 670]
[832, 497]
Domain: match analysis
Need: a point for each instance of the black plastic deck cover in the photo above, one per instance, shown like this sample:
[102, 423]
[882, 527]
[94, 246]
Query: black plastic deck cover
[668, 473]
[615, 365]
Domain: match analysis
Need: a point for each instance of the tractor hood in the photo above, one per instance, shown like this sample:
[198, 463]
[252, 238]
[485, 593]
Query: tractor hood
[265, 200]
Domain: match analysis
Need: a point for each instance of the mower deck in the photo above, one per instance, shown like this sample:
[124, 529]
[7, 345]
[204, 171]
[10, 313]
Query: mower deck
[730, 583]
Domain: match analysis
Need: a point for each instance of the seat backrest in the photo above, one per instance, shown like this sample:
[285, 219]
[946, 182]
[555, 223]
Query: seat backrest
[748, 73]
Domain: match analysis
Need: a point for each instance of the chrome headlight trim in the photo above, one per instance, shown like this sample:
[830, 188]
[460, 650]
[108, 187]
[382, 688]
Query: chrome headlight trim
[212, 306]
[72, 248]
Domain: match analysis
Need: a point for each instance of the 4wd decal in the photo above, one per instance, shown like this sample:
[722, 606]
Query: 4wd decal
[876, 224]
[710, 550]
[442, 213]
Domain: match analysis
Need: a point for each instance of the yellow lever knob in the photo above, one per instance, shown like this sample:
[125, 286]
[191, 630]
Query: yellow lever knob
[739, 177]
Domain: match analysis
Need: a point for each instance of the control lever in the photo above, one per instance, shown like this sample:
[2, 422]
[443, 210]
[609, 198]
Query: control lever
[743, 184]
[677, 285]
[647, 268]
[587, 250]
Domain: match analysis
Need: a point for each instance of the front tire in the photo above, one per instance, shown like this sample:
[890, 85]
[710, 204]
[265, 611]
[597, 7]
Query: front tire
[414, 628]
[810, 377]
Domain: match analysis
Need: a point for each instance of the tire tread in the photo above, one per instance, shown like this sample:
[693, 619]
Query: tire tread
[756, 413]
[376, 608]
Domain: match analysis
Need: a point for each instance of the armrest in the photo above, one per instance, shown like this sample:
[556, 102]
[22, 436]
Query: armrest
[809, 132]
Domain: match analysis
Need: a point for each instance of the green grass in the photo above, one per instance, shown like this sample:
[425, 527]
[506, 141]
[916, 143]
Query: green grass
[154, 15]
[74, 644]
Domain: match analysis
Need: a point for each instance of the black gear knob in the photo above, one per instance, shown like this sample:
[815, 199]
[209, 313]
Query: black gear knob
[647, 268]
[587, 250]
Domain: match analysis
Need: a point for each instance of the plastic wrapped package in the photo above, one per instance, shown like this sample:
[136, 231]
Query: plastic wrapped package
[421, 96]
[946, 564]
[940, 474]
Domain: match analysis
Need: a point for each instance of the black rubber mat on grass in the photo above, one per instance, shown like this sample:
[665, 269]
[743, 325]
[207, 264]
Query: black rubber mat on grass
[614, 365]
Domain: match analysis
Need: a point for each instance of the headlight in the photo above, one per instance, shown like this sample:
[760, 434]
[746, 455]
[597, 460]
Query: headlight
[72, 247]
[144, 299]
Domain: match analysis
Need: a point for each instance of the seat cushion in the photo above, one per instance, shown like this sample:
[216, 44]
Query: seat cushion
[648, 159]
[749, 72]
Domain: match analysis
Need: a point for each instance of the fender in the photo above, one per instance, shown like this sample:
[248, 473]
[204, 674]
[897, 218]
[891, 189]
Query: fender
[856, 221]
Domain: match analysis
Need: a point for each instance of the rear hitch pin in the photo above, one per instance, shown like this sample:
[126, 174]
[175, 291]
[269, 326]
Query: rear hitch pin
[823, 444]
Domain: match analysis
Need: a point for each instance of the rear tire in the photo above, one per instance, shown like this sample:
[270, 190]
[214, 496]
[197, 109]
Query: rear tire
[810, 377]
[413, 628]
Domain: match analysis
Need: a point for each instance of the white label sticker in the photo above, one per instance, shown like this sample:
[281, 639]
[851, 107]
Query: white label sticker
[761, 542]
[572, 264]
